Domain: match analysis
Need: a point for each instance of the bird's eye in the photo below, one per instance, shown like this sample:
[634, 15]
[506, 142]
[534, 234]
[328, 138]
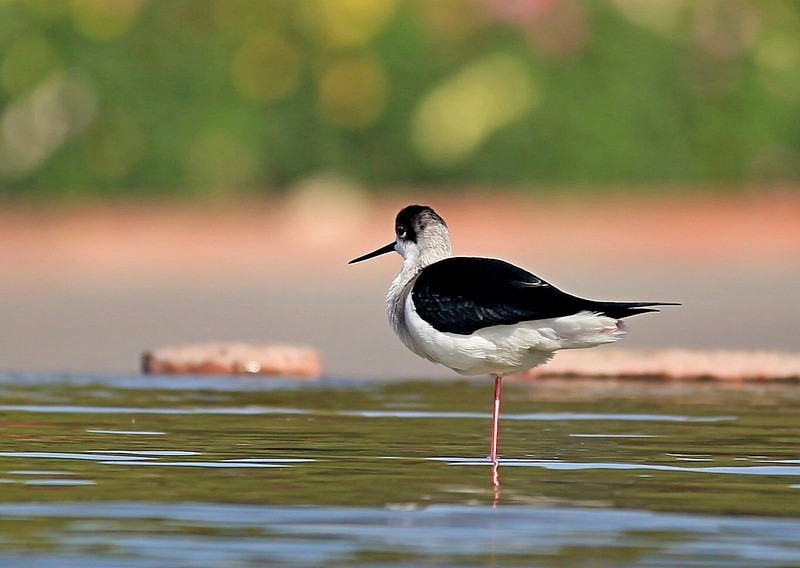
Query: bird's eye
[401, 231]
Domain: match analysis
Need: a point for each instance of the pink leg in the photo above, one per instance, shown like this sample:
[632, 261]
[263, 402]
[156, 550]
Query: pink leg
[495, 418]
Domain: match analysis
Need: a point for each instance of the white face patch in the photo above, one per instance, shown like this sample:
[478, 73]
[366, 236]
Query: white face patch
[408, 250]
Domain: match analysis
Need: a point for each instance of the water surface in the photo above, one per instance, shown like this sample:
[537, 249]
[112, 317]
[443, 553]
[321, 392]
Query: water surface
[191, 471]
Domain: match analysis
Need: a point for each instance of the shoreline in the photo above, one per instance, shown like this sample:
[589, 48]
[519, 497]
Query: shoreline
[89, 290]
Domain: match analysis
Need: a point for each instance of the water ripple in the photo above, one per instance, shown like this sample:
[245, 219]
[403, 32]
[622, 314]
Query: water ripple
[213, 464]
[128, 432]
[71, 456]
[576, 466]
[150, 457]
[68, 409]
[449, 535]
[414, 414]
[538, 416]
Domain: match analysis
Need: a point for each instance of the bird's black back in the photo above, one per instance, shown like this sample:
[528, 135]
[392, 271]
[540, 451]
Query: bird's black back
[463, 294]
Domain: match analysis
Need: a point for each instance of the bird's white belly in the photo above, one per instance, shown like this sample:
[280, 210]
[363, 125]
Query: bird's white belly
[505, 349]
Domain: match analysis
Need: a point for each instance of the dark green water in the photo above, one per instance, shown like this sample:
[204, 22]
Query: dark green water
[148, 471]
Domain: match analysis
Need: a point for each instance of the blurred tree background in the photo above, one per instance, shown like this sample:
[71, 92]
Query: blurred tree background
[238, 97]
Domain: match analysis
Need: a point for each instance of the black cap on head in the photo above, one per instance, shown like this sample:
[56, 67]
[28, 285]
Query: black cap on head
[410, 220]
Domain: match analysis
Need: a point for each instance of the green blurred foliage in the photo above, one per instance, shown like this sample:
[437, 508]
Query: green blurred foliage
[227, 97]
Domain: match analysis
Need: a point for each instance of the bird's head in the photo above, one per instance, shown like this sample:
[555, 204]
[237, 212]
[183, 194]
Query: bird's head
[421, 237]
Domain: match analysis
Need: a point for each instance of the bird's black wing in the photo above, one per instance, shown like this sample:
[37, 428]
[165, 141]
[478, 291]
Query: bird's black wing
[462, 294]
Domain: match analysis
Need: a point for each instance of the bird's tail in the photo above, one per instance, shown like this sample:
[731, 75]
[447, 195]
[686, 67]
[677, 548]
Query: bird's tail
[619, 310]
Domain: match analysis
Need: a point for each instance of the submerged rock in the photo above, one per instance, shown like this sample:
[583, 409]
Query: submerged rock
[673, 364]
[233, 359]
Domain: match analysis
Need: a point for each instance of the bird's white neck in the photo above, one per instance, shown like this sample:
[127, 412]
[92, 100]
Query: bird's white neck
[433, 248]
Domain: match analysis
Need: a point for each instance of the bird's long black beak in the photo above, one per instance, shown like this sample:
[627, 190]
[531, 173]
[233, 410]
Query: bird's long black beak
[373, 254]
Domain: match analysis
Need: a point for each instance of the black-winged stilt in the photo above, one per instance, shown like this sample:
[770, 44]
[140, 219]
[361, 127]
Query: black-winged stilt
[482, 315]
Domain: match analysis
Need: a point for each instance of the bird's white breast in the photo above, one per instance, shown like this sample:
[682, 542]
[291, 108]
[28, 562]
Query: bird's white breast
[505, 349]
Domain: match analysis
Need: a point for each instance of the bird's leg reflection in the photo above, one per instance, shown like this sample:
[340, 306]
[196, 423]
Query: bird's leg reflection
[496, 482]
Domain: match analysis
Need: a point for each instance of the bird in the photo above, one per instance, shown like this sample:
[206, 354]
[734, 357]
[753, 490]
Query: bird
[483, 315]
